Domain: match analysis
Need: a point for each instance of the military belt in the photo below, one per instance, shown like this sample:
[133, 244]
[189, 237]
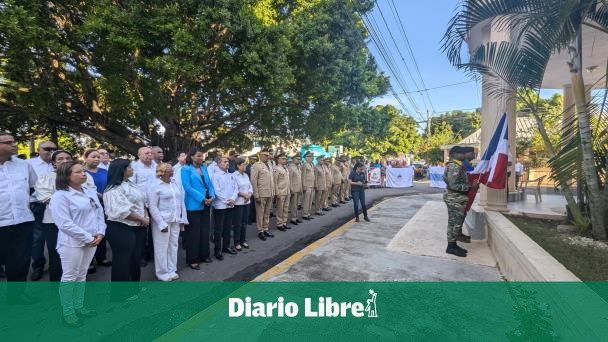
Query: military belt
[458, 192]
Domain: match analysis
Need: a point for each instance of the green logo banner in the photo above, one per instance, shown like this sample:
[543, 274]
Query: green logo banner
[305, 311]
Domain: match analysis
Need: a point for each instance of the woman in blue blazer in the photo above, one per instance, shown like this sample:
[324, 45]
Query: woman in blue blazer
[199, 194]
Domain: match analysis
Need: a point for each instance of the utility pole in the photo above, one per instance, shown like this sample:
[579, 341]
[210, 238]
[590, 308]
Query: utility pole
[428, 123]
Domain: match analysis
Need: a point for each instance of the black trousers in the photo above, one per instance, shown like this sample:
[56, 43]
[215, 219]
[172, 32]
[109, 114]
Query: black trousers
[126, 242]
[196, 236]
[38, 238]
[222, 225]
[50, 236]
[240, 219]
[359, 197]
[16, 242]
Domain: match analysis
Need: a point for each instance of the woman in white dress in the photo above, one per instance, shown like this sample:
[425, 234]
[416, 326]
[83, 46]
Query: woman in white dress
[168, 213]
[78, 215]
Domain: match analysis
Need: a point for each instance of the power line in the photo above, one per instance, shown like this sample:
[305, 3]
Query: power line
[438, 87]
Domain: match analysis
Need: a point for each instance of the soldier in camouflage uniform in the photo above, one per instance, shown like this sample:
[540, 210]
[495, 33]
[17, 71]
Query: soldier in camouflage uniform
[456, 199]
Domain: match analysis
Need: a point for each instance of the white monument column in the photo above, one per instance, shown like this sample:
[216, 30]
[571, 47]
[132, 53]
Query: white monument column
[492, 108]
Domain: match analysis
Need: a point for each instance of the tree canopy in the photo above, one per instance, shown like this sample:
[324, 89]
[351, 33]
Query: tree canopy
[182, 73]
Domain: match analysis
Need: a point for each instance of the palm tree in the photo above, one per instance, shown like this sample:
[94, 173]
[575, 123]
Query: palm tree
[539, 29]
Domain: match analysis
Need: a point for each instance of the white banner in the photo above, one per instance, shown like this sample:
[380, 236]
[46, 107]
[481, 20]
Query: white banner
[373, 176]
[400, 177]
[436, 177]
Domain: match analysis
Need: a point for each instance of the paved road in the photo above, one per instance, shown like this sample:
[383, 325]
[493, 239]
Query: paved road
[263, 255]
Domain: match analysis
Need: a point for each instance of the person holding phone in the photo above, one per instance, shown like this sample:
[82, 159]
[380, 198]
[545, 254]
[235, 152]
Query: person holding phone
[357, 181]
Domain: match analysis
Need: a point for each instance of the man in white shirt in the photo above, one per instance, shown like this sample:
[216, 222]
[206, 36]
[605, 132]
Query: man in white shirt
[157, 154]
[105, 158]
[144, 173]
[226, 193]
[519, 171]
[213, 167]
[17, 177]
[177, 174]
[41, 165]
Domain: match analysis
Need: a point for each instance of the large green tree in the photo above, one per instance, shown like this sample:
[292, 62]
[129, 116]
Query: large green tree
[462, 123]
[182, 73]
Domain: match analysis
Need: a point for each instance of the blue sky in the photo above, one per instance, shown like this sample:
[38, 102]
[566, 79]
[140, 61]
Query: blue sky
[424, 23]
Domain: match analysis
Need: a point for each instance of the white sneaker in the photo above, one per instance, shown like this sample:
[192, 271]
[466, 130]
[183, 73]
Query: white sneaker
[175, 277]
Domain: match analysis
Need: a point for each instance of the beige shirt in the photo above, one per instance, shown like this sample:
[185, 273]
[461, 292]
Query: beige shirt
[336, 174]
[262, 180]
[295, 178]
[328, 176]
[320, 183]
[281, 181]
[308, 176]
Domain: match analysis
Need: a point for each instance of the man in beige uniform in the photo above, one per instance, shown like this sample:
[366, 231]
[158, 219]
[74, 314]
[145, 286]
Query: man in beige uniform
[320, 186]
[328, 183]
[295, 179]
[263, 191]
[282, 191]
[308, 185]
[344, 185]
[336, 178]
[349, 167]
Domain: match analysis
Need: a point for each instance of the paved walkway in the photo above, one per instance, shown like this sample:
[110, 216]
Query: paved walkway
[359, 251]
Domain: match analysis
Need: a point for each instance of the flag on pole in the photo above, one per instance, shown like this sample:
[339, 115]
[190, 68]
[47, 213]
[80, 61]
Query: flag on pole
[492, 168]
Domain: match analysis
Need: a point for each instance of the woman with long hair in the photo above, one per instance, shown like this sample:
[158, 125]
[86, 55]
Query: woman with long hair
[168, 213]
[358, 180]
[79, 218]
[199, 194]
[127, 222]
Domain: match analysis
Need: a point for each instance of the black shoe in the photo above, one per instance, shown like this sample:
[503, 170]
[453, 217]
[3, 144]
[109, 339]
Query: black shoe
[295, 223]
[286, 226]
[23, 299]
[462, 249]
[82, 312]
[366, 219]
[307, 218]
[343, 202]
[464, 238]
[269, 234]
[105, 263]
[281, 228]
[299, 207]
[335, 205]
[319, 214]
[326, 209]
[262, 236]
[299, 221]
[208, 261]
[229, 251]
[356, 219]
[219, 256]
[77, 323]
[36, 274]
[452, 249]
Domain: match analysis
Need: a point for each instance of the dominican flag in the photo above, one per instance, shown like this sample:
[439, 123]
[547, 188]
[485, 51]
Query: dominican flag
[492, 168]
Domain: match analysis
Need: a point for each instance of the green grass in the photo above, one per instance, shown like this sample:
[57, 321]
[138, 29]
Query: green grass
[587, 263]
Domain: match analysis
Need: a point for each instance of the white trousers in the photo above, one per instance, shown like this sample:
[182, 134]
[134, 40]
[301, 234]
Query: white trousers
[165, 251]
[75, 262]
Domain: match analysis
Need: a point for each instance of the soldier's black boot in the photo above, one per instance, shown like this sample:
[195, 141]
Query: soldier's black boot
[455, 250]
[462, 249]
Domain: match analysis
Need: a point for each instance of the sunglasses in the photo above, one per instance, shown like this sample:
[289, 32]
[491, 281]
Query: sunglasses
[50, 149]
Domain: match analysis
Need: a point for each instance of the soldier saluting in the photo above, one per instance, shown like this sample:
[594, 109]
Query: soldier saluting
[456, 199]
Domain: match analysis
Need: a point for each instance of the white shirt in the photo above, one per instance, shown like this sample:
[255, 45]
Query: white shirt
[212, 169]
[225, 189]
[243, 185]
[166, 203]
[519, 168]
[177, 174]
[103, 166]
[143, 175]
[78, 216]
[45, 188]
[16, 178]
[122, 201]
[40, 166]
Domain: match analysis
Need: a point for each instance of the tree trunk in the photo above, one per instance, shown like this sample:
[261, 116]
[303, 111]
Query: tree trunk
[596, 207]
